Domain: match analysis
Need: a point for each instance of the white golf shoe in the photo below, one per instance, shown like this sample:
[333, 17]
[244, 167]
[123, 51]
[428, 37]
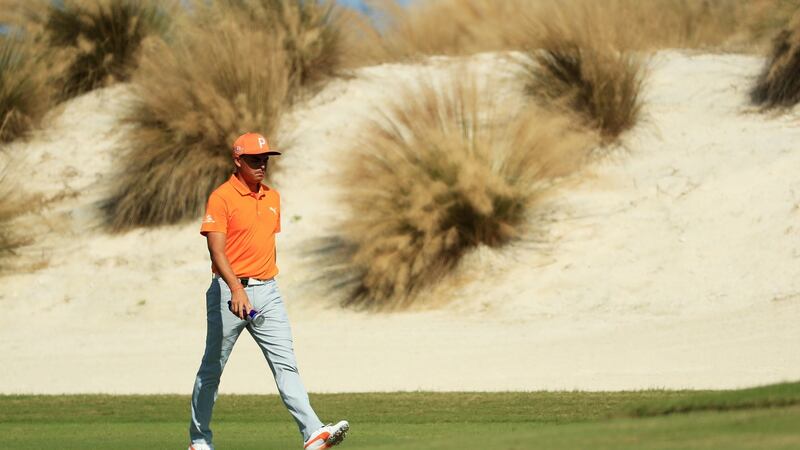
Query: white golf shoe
[327, 436]
[200, 446]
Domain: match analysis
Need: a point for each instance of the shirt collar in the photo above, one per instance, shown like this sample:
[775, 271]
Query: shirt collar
[242, 188]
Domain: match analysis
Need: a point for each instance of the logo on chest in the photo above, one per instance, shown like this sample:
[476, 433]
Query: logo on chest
[274, 210]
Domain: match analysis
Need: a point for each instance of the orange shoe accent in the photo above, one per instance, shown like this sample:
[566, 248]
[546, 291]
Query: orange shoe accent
[321, 437]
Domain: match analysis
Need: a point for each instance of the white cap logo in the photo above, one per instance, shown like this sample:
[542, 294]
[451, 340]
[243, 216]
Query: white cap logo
[261, 142]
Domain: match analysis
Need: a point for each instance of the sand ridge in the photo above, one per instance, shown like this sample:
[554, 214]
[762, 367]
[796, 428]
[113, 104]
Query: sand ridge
[672, 263]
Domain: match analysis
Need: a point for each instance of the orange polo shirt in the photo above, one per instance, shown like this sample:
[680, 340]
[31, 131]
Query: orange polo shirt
[249, 221]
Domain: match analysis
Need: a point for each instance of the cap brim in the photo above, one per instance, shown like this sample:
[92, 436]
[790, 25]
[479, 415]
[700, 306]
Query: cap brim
[269, 153]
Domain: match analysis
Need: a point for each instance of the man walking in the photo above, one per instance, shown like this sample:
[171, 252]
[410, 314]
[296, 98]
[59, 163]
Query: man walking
[241, 219]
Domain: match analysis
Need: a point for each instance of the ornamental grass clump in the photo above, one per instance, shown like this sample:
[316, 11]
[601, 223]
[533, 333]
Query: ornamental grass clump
[578, 64]
[778, 86]
[24, 92]
[235, 66]
[440, 173]
[193, 98]
[446, 27]
[101, 39]
[461, 27]
[312, 33]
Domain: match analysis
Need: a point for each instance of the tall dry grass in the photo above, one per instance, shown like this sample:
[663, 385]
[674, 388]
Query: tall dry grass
[779, 82]
[28, 68]
[460, 27]
[236, 67]
[444, 27]
[86, 43]
[27, 17]
[193, 99]
[312, 33]
[101, 39]
[442, 172]
[25, 95]
[768, 18]
[577, 63]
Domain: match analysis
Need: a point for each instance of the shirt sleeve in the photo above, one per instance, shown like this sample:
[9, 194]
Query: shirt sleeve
[216, 216]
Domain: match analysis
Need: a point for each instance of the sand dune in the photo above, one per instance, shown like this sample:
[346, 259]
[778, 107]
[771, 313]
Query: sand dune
[674, 262]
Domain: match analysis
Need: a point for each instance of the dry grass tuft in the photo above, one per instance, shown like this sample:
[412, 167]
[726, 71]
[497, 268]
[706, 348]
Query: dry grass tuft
[658, 24]
[194, 98]
[237, 66]
[444, 27]
[438, 175]
[312, 34]
[101, 39]
[779, 83]
[578, 63]
[460, 27]
[24, 92]
[359, 39]
[24, 16]
[312, 40]
[766, 18]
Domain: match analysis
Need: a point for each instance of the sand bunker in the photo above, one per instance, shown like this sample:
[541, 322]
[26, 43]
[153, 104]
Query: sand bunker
[673, 263]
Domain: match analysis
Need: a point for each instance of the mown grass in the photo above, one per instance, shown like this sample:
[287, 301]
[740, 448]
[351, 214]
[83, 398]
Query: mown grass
[771, 396]
[757, 429]
[764, 417]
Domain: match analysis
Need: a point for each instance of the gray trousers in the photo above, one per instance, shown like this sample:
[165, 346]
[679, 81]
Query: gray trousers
[274, 337]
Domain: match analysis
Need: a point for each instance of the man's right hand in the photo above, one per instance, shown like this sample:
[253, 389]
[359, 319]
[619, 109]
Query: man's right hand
[240, 304]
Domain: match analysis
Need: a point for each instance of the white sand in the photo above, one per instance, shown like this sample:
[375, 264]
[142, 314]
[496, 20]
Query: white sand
[673, 264]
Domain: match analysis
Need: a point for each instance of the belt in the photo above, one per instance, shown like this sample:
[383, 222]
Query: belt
[253, 281]
[249, 281]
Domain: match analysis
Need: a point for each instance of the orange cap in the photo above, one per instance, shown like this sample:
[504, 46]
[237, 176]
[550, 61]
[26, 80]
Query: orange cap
[252, 144]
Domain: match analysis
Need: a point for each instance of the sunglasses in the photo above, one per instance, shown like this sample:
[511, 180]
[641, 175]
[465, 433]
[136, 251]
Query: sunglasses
[255, 161]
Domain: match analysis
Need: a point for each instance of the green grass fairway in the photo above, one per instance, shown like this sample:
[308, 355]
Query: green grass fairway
[764, 418]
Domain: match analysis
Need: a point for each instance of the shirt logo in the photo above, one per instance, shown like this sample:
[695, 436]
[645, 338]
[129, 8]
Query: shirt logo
[209, 219]
[274, 211]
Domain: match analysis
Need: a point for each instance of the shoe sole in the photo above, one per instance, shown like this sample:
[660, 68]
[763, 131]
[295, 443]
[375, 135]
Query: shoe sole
[338, 436]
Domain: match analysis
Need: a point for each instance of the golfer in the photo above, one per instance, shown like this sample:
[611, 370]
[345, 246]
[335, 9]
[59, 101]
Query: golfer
[241, 219]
